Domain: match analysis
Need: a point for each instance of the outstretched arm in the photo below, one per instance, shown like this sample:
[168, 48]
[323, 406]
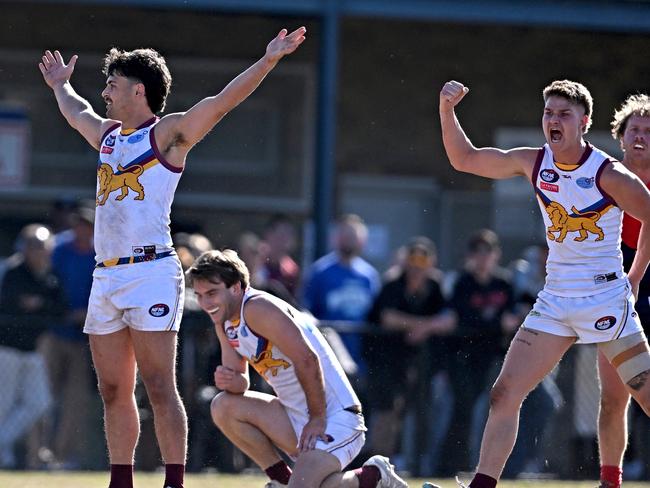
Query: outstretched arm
[179, 132]
[76, 110]
[464, 156]
[633, 197]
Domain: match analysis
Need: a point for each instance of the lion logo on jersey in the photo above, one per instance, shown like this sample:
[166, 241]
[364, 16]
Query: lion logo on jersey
[265, 363]
[110, 182]
[562, 222]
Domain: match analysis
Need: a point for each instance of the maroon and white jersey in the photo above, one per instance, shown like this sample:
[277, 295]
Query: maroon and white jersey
[278, 370]
[135, 190]
[583, 224]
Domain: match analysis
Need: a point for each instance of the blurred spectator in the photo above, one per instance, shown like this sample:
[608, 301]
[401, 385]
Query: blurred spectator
[188, 246]
[62, 215]
[248, 248]
[278, 269]
[65, 347]
[31, 300]
[341, 286]
[411, 308]
[253, 251]
[196, 333]
[529, 275]
[483, 299]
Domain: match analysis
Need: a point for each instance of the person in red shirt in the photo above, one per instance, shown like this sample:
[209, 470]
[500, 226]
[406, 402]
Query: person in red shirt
[631, 126]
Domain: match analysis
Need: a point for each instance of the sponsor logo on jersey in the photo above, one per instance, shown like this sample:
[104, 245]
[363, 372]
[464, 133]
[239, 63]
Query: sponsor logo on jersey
[143, 250]
[549, 175]
[549, 187]
[158, 310]
[231, 334]
[243, 331]
[135, 138]
[585, 182]
[110, 141]
[605, 323]
[568, 177]
[107, 150]
[599, 279]
[534, 313]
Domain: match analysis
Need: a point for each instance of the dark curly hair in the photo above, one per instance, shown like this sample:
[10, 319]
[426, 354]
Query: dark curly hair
[145, 65]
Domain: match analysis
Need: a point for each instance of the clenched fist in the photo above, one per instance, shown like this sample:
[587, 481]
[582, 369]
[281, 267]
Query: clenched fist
[224, 378]
[451, 94]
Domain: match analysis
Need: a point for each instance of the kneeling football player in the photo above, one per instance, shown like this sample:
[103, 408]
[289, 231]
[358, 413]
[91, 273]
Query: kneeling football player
[315, 416]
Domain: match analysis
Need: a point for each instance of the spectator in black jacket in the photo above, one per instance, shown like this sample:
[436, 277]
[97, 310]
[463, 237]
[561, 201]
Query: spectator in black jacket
[409, 309]
[31, 300]
[483, 300]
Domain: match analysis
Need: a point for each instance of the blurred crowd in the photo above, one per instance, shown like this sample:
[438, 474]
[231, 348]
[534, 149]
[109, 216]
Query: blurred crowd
[421, 346]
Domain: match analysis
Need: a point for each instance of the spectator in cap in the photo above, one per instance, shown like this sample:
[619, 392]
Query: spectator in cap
[31, 300]
[65, 347]
[483, 300]
[409, 310]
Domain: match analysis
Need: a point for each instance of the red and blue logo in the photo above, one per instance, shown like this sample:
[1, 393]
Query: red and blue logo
[158, 310]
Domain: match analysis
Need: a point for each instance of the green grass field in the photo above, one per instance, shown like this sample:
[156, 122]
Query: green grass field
[100, 480]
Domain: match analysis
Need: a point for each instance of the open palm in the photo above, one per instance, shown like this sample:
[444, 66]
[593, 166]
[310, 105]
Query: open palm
[284, 43]
[54, 69]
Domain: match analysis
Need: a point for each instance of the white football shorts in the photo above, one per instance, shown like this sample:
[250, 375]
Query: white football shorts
[346, 431]
[147, 296]
[597, 318]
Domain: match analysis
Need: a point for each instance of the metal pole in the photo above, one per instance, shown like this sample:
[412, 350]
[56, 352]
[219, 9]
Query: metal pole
[326, 127]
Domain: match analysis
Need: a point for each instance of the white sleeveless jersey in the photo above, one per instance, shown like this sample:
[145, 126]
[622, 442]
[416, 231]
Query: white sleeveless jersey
[276, 368]
[135, 189]
[583, 225]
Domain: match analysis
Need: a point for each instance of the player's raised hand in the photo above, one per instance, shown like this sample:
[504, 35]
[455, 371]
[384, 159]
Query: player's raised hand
[451, 94]
[54, 69]
[284, 43]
